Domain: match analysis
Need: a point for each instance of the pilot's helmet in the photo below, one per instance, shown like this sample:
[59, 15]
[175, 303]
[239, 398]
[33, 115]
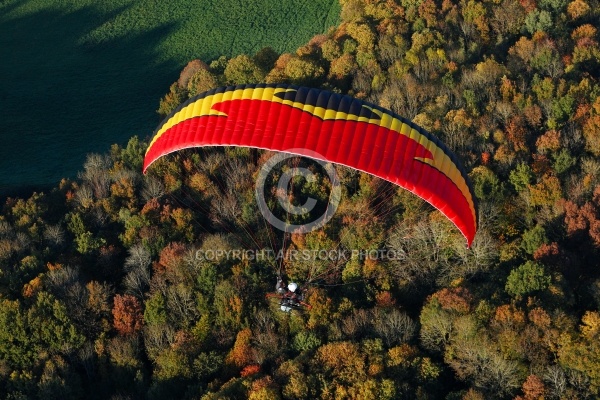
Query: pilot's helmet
[292, 287]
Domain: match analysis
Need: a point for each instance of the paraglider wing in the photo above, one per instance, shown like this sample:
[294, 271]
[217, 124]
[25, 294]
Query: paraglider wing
[342, 129]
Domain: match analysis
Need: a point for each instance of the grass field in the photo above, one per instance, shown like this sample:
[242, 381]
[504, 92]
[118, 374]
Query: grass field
[76, 76]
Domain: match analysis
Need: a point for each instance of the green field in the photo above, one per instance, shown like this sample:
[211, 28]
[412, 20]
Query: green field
[76, 76]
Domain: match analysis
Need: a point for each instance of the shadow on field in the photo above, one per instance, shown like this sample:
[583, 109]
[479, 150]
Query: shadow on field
[62, 97]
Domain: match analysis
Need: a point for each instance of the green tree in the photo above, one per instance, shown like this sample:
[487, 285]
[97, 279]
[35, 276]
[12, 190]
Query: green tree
[155, 312]
[85, 241]
[242, 69]
[32, 334]
[132, 155]
[538, 21]
[564, 161]
[527, 278]
[304, 71]
[486, 184]
[521, 176]
[306, 340]
[533, 239]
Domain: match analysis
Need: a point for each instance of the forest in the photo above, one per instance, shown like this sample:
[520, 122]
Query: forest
[103, 295]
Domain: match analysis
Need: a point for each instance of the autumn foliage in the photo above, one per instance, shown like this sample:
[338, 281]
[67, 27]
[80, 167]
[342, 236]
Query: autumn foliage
[127, 314]
[104, 292]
